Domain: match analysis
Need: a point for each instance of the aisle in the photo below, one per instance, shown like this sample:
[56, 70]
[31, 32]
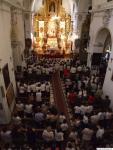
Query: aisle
[59, 97]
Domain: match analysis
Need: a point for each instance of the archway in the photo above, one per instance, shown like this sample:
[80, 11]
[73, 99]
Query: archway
[102, 49]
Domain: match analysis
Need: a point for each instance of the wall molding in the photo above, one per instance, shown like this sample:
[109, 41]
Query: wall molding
[101, 8]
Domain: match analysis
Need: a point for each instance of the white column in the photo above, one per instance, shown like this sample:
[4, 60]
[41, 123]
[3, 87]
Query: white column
[28, 24]
[17, 36]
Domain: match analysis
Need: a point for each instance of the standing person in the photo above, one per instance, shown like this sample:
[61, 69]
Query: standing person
[59, 137]
[87, 134]
[39, 97]
[43, 89]
[66, 73]
[99, 135]
[28, 110]
[106, 102]
[5, 135]
[48, 137]
[47, 89]
[31, 137]
[64, 127]
[39, 118]
[70, 146]
[21, 90]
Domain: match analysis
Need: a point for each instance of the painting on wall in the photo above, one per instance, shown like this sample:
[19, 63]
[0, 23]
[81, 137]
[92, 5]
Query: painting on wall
[5, 71]
[1, 107]
[112, 74]
[10, 94]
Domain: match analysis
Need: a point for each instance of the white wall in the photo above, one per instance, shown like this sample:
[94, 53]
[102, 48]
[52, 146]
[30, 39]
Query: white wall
[18, 50]
[7, 52]
[108, 84]
[96, 25]
[20, 25]
[6, 56]
[97, 4]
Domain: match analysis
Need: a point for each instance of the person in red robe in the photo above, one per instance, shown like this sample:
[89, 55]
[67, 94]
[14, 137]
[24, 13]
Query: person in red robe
[72, 98]
[66, 73]
[91, 99]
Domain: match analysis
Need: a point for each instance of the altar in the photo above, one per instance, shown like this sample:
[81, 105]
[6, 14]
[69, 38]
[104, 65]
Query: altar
[51, 28]
[52, 43]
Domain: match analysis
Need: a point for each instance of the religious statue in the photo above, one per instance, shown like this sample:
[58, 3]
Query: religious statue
[52, 29]
[42, 2]
[52, 7]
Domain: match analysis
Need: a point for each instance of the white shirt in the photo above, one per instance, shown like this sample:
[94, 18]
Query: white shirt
[85, 119]
[47, 87]
[94, 119]
[59, 136]
[101, 115]
[21, 89]
[100, 133]
[73, 70]
[79, 68]
[77, 109]
[28, 108]
[84, 93]
[38, 88]
[28, 89]
[6, 136]
[33, 87]
[48, 136]
[30, 70]
[89, 109]
[17, 120]
[43, 87]
[20, 106]
[83, 109]
[64, 126]
[38, 96]
[87, 134]
[61, 118]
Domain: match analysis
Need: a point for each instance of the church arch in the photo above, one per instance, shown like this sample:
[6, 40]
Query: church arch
[103, 40]
[102, 49]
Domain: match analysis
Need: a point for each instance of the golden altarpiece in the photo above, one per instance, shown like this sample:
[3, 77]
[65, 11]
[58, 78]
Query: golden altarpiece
[51, 28]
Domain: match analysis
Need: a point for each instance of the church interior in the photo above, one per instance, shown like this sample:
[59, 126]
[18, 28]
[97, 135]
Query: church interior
[56, 74]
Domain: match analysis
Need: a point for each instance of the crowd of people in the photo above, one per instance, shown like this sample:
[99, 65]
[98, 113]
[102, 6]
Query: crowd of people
[37, 124]
[90, 112]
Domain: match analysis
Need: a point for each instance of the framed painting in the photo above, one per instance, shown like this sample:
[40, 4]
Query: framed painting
[10, 94]
[5, 71]
[112, 76]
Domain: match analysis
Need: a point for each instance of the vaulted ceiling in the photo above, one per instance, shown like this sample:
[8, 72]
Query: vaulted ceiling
[80, 5]
[67, 4]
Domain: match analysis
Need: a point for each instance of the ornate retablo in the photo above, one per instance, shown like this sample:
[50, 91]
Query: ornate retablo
[51, 27]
